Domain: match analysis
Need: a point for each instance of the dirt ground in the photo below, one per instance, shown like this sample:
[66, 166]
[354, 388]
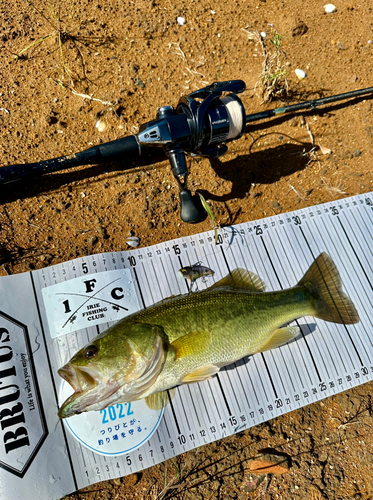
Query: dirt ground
[115, 62]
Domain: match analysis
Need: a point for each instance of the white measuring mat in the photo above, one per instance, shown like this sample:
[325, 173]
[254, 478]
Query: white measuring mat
[57, 310]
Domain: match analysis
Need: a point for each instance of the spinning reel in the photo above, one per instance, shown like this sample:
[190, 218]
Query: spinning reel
[196, 128]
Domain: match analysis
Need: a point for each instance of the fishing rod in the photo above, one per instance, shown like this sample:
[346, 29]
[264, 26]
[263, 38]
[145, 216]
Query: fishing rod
[201, 124]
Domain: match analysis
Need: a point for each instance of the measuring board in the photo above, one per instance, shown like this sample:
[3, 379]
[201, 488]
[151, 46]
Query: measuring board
[324, 360]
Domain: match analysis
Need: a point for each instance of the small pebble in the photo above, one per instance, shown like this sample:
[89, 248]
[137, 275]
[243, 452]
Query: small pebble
[101, 126]
[300, 74]
[181, 21]
[329, 8]
[325, 150]
[133, 241]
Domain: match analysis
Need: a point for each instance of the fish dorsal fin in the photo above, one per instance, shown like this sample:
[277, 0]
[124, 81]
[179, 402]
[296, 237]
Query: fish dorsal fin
[280, 337]
[159, 400]
[241, 278]
[191, 343]
[201, 374]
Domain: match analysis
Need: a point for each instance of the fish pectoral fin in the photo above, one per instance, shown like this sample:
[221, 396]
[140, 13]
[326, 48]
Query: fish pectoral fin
[159, 400]
[201, 374]
[280, 337]
[241, 278]
[192, 343]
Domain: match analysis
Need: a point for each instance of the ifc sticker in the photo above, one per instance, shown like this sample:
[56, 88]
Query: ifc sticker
[89, 300]
[116, 430]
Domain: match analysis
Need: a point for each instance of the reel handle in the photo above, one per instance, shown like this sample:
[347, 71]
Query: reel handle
[188, 212]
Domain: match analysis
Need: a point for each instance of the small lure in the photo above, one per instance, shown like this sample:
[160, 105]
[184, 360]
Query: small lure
[193, 273]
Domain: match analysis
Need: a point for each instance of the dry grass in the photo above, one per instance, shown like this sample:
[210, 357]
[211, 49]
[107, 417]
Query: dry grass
[272, 82]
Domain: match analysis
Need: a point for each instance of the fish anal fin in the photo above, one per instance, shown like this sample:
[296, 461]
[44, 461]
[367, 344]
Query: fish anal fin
[200, 374]
[324, 282]
[159, 400]
[192, 343]
[241, 278]
[280, 337]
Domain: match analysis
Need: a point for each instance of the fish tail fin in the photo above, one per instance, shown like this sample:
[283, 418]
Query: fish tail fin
[324, 282]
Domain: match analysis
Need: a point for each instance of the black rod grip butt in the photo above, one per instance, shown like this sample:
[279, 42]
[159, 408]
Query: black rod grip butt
[189, 212]
[126, 150]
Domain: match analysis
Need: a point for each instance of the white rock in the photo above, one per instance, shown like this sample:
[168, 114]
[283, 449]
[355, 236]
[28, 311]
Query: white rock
[181, 21]
[329, 8]
[133, 241]
[101, 126]
[300, 74]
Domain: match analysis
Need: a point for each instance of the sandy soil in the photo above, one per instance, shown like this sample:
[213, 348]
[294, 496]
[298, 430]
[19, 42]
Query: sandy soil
[131, 57]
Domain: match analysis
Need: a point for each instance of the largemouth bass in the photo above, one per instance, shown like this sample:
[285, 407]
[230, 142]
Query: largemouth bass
[188, 338]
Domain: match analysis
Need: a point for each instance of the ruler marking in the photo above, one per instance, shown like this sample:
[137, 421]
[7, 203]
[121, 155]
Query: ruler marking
[213, 397]
[194, 406]
[139, 287]
[223, 393]
[175, 418]
[354, 251]
[185, 413]
[164, 419]
[278, 371]
[165, 274]
[204, 403]
[238, 373]
[148, 288]
[269, 375]
[367, 246]
[232, 387]
[254, 359]
[174, 273]
[251, 381]
[157, 280]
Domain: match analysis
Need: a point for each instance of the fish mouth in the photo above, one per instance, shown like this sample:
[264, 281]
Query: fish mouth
[80, 378]
[90, 392]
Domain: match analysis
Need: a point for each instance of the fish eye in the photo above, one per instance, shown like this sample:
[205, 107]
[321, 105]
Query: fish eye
[91, 351]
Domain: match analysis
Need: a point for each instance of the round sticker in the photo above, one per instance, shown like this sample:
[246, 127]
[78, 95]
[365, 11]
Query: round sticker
[118, 429]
